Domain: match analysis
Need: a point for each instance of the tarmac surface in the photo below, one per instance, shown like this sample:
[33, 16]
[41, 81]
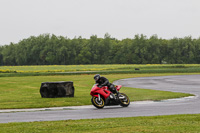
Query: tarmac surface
[183, 83]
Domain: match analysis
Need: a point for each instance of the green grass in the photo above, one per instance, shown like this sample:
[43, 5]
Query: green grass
[153, 124]
[115, 68]
[23, 92]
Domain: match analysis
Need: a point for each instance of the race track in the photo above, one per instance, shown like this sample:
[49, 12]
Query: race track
[184, 83]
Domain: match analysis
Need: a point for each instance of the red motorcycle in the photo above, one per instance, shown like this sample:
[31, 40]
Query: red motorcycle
[103, 96]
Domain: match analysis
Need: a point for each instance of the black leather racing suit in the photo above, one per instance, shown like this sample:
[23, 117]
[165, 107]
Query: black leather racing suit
[105, 82]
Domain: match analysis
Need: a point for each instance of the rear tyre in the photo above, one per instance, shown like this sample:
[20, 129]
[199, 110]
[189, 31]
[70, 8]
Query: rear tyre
[98, 104]
[125, 101]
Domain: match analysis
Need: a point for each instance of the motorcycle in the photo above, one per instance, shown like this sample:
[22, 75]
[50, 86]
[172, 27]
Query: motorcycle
[104, 97]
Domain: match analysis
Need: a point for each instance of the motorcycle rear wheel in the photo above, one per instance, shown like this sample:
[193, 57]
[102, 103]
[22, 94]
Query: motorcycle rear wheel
[124, 102]
[98, 104]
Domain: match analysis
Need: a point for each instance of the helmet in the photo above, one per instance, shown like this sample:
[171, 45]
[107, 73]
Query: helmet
[96, 77]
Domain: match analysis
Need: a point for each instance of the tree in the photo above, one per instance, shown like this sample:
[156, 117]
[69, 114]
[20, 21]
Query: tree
[9, 53]
[48, 49]
[1, 56]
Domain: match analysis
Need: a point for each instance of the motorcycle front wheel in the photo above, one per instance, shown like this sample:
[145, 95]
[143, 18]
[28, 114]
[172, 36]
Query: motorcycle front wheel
[98, 104]
[125, 101]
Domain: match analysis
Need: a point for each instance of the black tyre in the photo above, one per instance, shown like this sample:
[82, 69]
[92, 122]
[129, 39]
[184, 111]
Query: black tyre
[44, 92]
[98, 104]
[124, 102]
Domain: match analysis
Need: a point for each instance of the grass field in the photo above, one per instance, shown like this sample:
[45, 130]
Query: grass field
[153, 124]
[116, 68]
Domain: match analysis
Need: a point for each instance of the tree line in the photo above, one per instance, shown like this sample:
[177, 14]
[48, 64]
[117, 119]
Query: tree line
[49, 49]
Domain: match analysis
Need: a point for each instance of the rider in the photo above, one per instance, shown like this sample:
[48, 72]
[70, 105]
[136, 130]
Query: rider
[102, 81]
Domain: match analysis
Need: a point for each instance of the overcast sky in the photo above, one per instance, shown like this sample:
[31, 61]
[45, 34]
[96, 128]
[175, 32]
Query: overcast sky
[20, 19]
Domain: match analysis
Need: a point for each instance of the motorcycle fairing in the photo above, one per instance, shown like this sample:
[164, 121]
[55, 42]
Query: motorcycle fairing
[118, 87]
[102, 91]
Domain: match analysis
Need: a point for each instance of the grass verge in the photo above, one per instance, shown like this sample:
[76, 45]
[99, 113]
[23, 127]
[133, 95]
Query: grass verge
[152, 124]
[44, 70]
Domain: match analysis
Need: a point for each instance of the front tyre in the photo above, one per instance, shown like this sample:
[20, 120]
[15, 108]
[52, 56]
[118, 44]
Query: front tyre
[98, 104]
[124, 100]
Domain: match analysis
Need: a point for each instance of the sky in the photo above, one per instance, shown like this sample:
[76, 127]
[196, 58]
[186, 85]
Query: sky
[20, 19]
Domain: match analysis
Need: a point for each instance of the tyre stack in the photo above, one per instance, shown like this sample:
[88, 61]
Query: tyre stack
[57, 89]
